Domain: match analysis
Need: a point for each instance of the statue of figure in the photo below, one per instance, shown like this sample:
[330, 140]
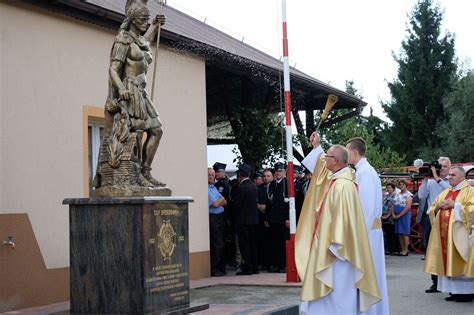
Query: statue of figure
[124, 160]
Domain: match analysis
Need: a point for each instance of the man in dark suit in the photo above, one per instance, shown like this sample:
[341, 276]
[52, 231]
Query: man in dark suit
[244, 198]
[263, 228]
[279, 217]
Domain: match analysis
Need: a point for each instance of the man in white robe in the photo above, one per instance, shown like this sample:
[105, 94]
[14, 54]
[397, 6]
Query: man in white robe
[370, 192]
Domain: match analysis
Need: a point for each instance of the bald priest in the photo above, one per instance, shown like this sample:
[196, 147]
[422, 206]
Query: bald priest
[333, 255]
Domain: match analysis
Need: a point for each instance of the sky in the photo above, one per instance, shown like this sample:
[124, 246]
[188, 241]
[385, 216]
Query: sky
[333, 41]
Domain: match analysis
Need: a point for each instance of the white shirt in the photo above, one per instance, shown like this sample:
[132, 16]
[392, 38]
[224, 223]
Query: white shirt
[431, 189]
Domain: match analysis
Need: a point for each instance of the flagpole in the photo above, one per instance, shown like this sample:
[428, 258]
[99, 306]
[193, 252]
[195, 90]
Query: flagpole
[291, 273]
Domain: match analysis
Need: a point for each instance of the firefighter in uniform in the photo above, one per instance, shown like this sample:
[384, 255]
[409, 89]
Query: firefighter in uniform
[222, 185]
[279, 218]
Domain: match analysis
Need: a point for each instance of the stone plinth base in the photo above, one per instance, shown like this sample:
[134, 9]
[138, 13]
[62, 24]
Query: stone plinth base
[132, 191]
[129, 255]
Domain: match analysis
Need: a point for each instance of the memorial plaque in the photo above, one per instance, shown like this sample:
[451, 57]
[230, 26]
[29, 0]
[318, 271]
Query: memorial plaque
[166, 256]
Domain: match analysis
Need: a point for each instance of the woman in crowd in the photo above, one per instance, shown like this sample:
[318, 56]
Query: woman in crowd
[390, 240]
[402, 214]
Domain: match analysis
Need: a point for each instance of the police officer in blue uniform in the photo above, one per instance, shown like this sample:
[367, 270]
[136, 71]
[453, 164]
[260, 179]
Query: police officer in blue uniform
[222, 185]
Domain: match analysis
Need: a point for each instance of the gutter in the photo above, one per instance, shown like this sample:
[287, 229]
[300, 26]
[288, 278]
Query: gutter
[95, 14]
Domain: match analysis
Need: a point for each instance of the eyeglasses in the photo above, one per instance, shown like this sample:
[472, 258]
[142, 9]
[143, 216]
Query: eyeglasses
[452, 175]
[331, 156]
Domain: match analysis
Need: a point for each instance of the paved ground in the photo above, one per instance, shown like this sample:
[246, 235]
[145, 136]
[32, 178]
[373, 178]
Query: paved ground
[406, 287]
[259, 294]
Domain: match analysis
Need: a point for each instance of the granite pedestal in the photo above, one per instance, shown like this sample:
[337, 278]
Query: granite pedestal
[129, 255]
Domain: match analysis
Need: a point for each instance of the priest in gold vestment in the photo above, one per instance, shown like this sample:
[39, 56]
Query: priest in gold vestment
[448, 253]
[469, 270]
[333, 254]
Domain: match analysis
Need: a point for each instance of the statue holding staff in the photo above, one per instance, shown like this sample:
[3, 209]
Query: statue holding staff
[124, 159]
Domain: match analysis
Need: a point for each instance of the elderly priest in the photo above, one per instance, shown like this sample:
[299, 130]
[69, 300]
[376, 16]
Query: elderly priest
[448, 253]
[333, 254]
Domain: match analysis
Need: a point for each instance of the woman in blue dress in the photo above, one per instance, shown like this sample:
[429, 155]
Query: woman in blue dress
[402, 214]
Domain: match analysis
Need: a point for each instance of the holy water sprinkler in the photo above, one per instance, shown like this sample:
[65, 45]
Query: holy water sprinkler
[331, 100]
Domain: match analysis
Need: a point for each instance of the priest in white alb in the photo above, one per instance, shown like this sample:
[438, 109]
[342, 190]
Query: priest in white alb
[333, 254]
[370, 192]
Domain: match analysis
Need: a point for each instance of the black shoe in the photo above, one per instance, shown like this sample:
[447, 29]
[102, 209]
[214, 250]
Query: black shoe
[244, 273]
[255, 271]
[451, 298]
[432, 289]
[217, 274]
[463, 298]
[423, 258]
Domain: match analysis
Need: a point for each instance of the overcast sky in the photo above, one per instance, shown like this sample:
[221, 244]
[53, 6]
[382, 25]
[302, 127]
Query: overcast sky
[335, 40]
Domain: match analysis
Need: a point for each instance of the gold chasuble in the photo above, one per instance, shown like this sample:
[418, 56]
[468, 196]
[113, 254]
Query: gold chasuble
[448, 252]
[332, 214]
[469, 217]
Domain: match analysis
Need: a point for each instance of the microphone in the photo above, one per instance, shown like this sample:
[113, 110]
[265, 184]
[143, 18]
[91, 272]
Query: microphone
[418, 163]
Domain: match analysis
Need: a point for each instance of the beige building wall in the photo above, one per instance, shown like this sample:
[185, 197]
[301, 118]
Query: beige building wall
[2, 106]
[51, 67]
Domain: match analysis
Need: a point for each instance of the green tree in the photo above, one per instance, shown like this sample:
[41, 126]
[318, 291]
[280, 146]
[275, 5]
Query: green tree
[426, 72]
[258, 135]
[377, 128]
[456, 134]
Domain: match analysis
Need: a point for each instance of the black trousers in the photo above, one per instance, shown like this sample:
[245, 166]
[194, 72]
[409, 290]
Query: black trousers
[426, 231]
[216, 231]
[230, 238]
[280, 234]
[390, 239]
[263, 245]
[248, 247]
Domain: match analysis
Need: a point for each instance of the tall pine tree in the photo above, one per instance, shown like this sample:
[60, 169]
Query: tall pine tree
[426, 73]
[456, 133]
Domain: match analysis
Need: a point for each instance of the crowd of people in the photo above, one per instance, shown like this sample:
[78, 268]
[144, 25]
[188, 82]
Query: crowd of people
[249, 217]
[446, 261]
[346, 226]
[396, 218]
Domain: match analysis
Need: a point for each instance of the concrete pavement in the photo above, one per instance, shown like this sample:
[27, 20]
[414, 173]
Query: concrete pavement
[266, 292]
[406, 288]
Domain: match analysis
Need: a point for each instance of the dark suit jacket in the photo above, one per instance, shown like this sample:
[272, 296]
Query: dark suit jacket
[279, 209]
[244, 199]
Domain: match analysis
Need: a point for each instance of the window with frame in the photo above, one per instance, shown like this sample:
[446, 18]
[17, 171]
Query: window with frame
[95, 131]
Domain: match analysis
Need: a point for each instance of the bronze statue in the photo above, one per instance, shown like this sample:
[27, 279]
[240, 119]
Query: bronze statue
[124, 159]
